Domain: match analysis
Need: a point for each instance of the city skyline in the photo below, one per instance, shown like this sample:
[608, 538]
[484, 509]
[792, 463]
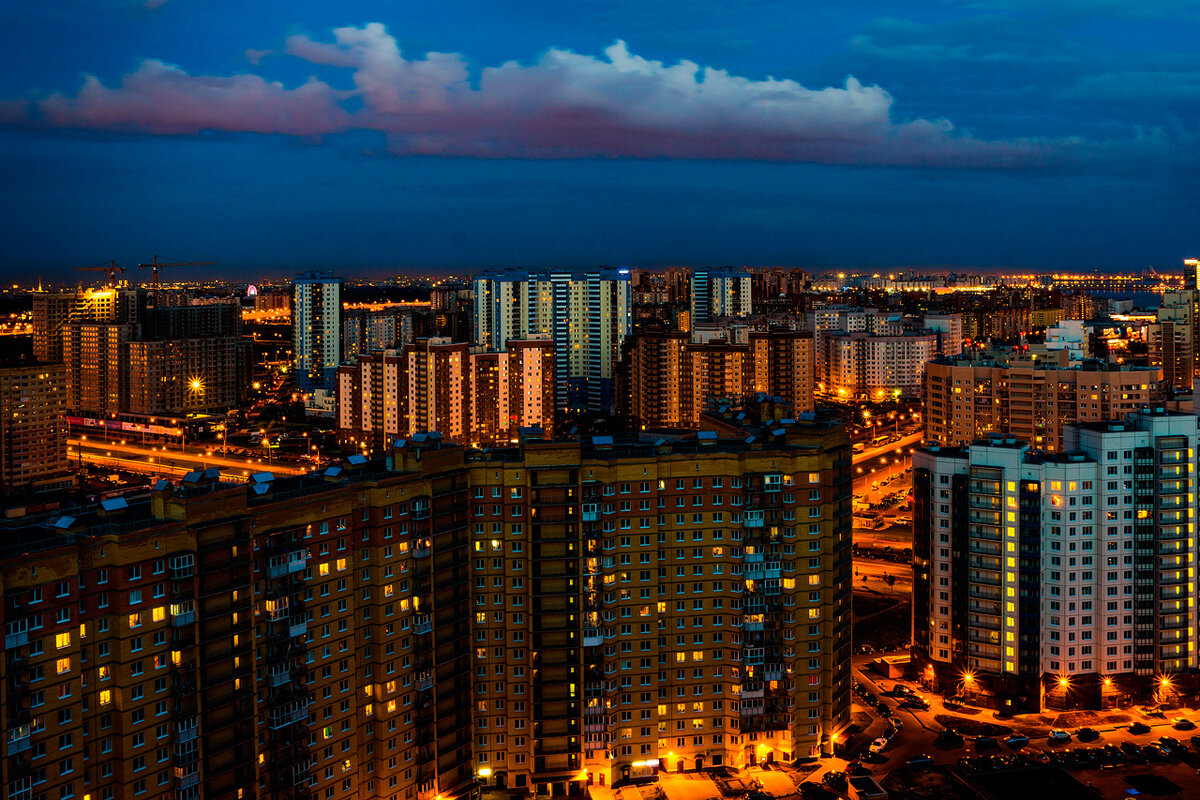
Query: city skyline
[383, 140]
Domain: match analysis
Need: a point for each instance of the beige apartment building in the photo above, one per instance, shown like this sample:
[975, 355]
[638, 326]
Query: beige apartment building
[968, 397]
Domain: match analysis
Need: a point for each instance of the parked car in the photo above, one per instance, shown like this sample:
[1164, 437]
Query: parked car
[1138, 728]
[879, 745]
[1183, 724]
[920, 761]
[1017, 740]
[834, 779]
[1087, 734]
[1058, 736]
[950, 737]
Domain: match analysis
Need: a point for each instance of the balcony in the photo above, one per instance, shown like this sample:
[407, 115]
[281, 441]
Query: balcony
[290, 714]
[423, 623]
[421, 550]
[186, 730]
[186, 777]
[279, 675]
[287, 564]
[592, 637]
[17, 635]
[424, 681]
[17, 740]
[185, 616]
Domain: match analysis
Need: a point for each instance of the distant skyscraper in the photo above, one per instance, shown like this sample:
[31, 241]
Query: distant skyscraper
[721, 292]
[587, 314]
[316, 329]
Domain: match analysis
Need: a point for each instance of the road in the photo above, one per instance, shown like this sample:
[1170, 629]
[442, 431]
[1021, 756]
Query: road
[870, 573]
[909, 440]
[158, 461]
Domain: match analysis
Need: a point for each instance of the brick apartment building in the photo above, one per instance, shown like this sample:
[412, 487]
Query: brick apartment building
[538, 617]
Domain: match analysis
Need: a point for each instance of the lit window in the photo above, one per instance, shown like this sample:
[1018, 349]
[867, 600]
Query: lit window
[63, 665]
[324, 568]
[159, 614]
[105, 697]
[62, 640]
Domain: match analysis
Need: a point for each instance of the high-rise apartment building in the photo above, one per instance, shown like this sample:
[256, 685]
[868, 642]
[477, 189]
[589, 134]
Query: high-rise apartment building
[723, 292]
[316, 329]
[435, 384]
[365, 330]
[52, 311]
[673, 381]
[33, 429]
[1060, 579]
[873, 366]
[1175, 338]
[97, 362]
[541, 618]
[950, 332]
[586, 314]
[175, 359]
[969, 396]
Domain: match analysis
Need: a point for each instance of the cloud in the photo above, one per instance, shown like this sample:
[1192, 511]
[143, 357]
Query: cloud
[563, 105]
[255, 56]
[163, 99]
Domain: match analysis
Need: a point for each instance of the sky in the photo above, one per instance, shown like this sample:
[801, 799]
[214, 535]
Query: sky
[374, 138]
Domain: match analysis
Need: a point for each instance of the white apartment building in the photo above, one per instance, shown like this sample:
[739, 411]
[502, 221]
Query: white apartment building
[1060, 579]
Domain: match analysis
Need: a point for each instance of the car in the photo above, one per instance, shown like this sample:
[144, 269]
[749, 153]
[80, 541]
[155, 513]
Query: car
[985, 741]
[1058, 736]
[949, 737]
[879, 744]
[835, 779]
[1172, 745]
[919, 761]
[1017, 740]
[1183, 724]
[915, 702]
[1138, 728]
[883, 710]
[811, 791]
[1153, 752]
[857, 768]
[1196, 742]
[1087, 734]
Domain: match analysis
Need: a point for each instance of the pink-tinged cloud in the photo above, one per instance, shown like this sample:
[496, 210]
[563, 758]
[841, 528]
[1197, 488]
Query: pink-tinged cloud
[564, 105]
[163, 99]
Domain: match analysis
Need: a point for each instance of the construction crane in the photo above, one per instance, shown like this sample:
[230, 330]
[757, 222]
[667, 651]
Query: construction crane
[110, 270]
[170, 262]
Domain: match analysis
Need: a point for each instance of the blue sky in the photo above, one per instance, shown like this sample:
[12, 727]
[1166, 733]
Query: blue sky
[374, 137]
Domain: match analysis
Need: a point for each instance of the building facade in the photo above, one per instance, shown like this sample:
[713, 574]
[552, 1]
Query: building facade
[587, 314]
[968, 397]
[723, 292]
[538, 618]
[33, 428]
[672, 381]
[316, 329]
[365, 330]
[1060, 580]
[435, 384]
[176, 359]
